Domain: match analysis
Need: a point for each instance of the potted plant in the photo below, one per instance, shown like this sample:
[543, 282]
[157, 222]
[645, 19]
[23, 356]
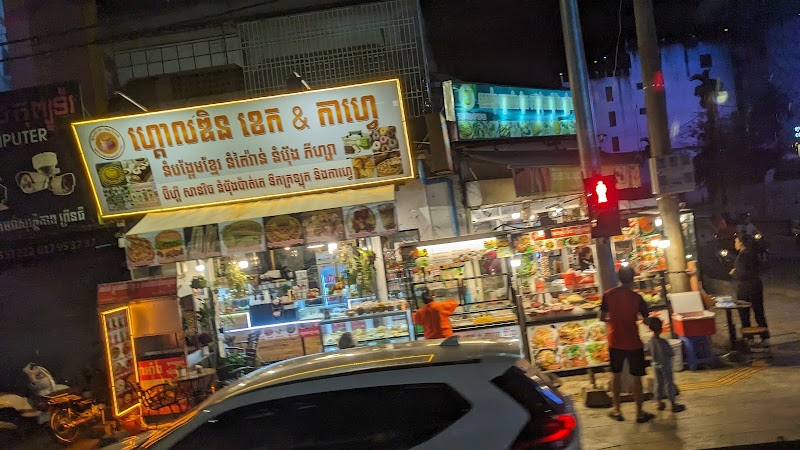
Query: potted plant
[181, 370]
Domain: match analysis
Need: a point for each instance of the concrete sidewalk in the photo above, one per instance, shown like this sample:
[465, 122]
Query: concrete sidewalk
[747, 404]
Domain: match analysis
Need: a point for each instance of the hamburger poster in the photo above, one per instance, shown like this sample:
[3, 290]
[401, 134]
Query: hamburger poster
[170, 246]
[242, 236]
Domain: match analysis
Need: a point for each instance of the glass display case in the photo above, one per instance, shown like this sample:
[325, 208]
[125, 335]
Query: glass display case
[368, 329]
[484, 301]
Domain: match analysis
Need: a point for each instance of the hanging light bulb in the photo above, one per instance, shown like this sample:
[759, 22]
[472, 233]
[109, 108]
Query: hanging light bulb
[332, 246]
[200, 267]
[244, 264]
[659, 222]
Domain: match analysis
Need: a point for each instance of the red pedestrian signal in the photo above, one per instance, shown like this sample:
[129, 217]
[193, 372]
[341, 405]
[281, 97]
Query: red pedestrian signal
[603, 202]
[602, 192]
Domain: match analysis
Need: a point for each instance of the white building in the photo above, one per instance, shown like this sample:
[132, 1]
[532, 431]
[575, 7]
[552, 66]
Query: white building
[618, 102]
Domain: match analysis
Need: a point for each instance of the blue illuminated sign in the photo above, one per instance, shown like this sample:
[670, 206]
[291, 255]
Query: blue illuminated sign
[484, 111]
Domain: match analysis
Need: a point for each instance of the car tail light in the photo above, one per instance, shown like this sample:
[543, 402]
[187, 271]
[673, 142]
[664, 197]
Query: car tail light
[557, 428]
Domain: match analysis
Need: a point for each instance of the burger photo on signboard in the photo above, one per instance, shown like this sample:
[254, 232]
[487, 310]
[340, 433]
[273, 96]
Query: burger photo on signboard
[169, 244]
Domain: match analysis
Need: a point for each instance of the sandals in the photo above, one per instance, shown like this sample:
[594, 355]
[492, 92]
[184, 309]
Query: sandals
[645, 417]
[616, 416]
[677, 407]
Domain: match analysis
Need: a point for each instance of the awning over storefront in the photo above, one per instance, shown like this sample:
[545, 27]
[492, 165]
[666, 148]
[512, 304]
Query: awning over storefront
[241, 211]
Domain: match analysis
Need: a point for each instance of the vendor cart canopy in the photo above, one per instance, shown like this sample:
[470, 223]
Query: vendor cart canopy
[228, 213]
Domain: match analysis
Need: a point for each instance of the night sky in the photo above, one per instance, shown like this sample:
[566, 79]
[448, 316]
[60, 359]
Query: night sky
[519, 42]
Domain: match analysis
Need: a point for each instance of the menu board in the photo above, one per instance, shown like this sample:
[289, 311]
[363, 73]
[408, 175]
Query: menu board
[569, 345]
[485, 111]
[121, 359]
[243, 236]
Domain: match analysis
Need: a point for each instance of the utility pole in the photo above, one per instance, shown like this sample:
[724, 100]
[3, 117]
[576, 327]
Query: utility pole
[655, 101]
[584, 124]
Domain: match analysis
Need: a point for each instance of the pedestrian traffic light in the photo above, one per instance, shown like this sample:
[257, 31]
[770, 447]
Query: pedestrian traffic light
[602, 199]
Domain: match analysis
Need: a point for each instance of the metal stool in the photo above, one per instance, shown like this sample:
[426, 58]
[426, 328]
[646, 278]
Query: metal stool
[749, 335]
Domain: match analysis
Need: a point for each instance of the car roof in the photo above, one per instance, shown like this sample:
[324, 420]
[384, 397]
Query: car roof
[375, 358]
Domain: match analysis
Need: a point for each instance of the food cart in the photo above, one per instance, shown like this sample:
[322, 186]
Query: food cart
[143, 337]
[540, 284]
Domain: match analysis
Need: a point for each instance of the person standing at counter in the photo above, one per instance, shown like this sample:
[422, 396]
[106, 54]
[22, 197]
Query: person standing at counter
[435, 316]
[747, 270]
[620, 310]
[585, 258]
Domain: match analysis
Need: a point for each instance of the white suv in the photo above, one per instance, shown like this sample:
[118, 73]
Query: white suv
[473, 394]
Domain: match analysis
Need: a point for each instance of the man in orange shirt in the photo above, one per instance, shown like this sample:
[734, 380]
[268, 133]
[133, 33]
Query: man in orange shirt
[434, 316]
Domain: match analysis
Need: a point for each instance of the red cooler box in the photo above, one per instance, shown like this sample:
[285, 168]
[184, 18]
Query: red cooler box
[689, 317]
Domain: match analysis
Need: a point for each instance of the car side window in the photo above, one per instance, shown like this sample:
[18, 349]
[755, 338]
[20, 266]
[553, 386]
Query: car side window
[385, 417]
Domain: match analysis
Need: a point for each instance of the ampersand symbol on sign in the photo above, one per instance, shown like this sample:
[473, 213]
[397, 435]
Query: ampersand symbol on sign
[299, 122]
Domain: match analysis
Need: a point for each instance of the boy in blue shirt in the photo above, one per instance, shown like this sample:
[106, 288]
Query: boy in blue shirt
[661, 353]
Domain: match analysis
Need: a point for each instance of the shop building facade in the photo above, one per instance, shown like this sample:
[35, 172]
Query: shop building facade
[618, 101]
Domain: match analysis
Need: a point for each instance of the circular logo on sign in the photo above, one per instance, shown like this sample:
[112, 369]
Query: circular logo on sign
[106, 143]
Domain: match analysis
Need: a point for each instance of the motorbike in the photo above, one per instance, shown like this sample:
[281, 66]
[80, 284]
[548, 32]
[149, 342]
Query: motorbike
[72, 414]
[18, 412]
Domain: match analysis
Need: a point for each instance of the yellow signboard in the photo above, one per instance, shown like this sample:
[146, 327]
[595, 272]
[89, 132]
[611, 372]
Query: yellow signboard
[291, 144]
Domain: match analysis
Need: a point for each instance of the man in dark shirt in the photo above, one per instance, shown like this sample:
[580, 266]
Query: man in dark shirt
[620, 310]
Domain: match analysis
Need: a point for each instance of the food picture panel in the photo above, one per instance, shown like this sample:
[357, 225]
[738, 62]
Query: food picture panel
[360, 221]
[121, 358]
[388, 217]
[242, 236]
[140, 250]
[282, 231]
[170, 246]
[543, 336]
[202, 241]
[500, 245]
[569, 345]
[323, 226]
[648, 256]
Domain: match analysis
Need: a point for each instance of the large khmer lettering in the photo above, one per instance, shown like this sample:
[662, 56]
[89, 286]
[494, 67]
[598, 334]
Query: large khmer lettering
[330, 112]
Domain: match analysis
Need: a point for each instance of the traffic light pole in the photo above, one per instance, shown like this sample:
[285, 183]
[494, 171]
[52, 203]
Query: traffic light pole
[584, 124]
[655, 102]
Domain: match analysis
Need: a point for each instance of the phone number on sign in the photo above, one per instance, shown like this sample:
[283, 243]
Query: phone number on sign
[46, 249]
